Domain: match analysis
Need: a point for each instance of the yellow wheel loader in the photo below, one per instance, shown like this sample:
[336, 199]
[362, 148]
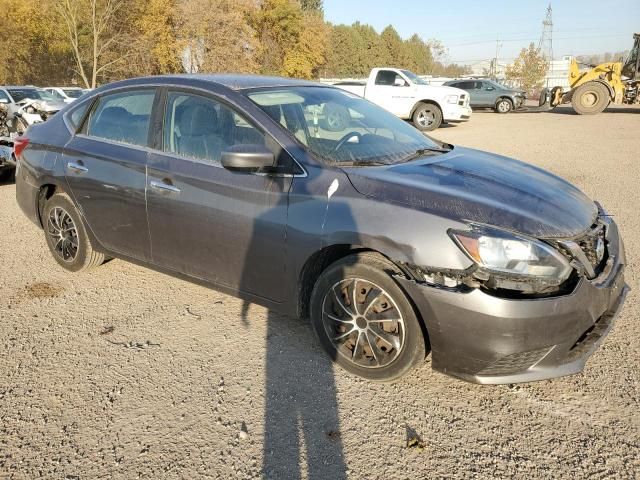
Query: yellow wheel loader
[592, 91]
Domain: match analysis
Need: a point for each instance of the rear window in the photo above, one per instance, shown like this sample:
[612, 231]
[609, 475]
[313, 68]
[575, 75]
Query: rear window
[19, 94]
[123, 117]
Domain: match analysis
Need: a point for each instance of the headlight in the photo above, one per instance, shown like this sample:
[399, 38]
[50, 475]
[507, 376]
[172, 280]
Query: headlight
[451, 98]
[505, 253]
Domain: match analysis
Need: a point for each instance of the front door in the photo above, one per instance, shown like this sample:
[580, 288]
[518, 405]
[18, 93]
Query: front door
[392, 92]
[208, 222]
[105, 168]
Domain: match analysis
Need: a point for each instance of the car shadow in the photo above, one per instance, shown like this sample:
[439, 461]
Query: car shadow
[302, 434]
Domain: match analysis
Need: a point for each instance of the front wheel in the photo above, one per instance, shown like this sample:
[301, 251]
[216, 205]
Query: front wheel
[364, 320]
[66, 236]
[427, 117]
[504, 105]
[590, 98]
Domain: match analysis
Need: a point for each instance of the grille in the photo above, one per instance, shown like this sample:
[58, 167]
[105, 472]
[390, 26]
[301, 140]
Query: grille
[463, 100]
[515, 363]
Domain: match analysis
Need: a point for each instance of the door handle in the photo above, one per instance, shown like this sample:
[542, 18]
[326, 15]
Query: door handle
[77, 167]
[165, 187]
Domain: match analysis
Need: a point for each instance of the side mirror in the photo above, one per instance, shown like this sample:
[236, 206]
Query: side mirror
[489, 88]
[399, 82]
[247, 158]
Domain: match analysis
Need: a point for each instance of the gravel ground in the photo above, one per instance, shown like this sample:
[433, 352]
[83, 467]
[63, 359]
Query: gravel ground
[127, 373]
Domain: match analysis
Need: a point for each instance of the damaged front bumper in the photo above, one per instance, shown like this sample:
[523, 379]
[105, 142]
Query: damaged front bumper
[491, 340]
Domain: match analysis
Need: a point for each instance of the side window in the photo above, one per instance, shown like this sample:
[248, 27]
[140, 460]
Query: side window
[466, 85]
[201, 128]
[387, 78]
[76, 116]
[123, 117]
[4, 98]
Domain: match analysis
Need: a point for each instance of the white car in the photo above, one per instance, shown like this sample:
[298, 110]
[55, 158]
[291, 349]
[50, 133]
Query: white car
[65, 94]
[409, 97]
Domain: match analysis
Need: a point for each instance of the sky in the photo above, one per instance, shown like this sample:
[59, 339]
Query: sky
[469, 28]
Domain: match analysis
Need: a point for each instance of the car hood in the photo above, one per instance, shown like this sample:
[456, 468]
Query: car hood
[474, 186]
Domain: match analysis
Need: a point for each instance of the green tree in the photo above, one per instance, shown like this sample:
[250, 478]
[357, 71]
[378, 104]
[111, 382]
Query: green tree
[418, 55]
[393, 47]
[529, 69]
[312, 6]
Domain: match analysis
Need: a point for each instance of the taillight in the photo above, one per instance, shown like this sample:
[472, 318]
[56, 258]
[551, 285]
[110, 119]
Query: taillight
[19, 144]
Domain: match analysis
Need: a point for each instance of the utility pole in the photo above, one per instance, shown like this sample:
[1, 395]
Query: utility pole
[545, 45]
[494, 70]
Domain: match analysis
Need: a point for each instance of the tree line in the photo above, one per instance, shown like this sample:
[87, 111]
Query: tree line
[90, 42]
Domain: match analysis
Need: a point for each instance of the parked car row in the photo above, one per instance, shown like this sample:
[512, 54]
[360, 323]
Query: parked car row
[22, 106]
[392, 243]
[410, 97]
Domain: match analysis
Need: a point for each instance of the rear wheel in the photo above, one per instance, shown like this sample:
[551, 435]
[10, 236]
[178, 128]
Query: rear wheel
[504, 105]
[427, 117]
[590, 98]
[364, 320]
[66, 236]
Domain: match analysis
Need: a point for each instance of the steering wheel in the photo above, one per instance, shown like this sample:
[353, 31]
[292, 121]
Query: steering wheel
[346, 138]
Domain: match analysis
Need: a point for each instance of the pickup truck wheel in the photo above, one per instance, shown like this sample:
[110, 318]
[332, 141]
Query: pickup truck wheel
[427, 117]
[504, 105]
[590, 98]
[336, 117]
[364, 320]
[66, 236]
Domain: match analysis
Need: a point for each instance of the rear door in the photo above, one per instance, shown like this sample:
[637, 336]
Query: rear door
[105, 168]
[225, 227]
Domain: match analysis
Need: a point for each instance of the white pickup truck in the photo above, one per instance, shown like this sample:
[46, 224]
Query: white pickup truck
[409, 97]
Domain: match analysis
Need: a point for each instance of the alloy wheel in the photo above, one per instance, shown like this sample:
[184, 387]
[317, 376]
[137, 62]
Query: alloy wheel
[63, 233]
[363, 323]
[425, 118]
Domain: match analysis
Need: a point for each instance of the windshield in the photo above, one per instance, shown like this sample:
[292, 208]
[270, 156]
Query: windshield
[73, 92]
[341, 127]
[497, 85]
[44, 95]
[414, 78]
[19, 94]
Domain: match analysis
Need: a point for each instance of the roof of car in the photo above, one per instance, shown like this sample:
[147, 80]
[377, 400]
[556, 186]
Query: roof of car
[229, 80]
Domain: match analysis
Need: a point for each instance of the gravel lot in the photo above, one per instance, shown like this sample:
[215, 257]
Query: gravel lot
[127, 373]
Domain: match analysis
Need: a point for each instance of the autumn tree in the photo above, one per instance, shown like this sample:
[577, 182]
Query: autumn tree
[529, 69]
[218, 37]
[31, 45]
[308, 53]
[155, 43]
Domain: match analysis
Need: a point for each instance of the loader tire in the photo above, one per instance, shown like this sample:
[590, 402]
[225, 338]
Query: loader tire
[590, 98]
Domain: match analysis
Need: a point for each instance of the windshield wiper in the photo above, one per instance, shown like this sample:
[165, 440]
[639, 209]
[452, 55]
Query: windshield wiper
[423, 151]
[361, 163]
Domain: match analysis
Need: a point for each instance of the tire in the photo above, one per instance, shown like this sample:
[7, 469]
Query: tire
[336, 117]
[380, 351]
[7, 175]
[427, 117]
[590, 98]
[503, 105]
[66, 236]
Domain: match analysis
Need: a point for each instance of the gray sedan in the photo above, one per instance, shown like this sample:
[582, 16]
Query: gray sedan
[393, 244]
[490, 94]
